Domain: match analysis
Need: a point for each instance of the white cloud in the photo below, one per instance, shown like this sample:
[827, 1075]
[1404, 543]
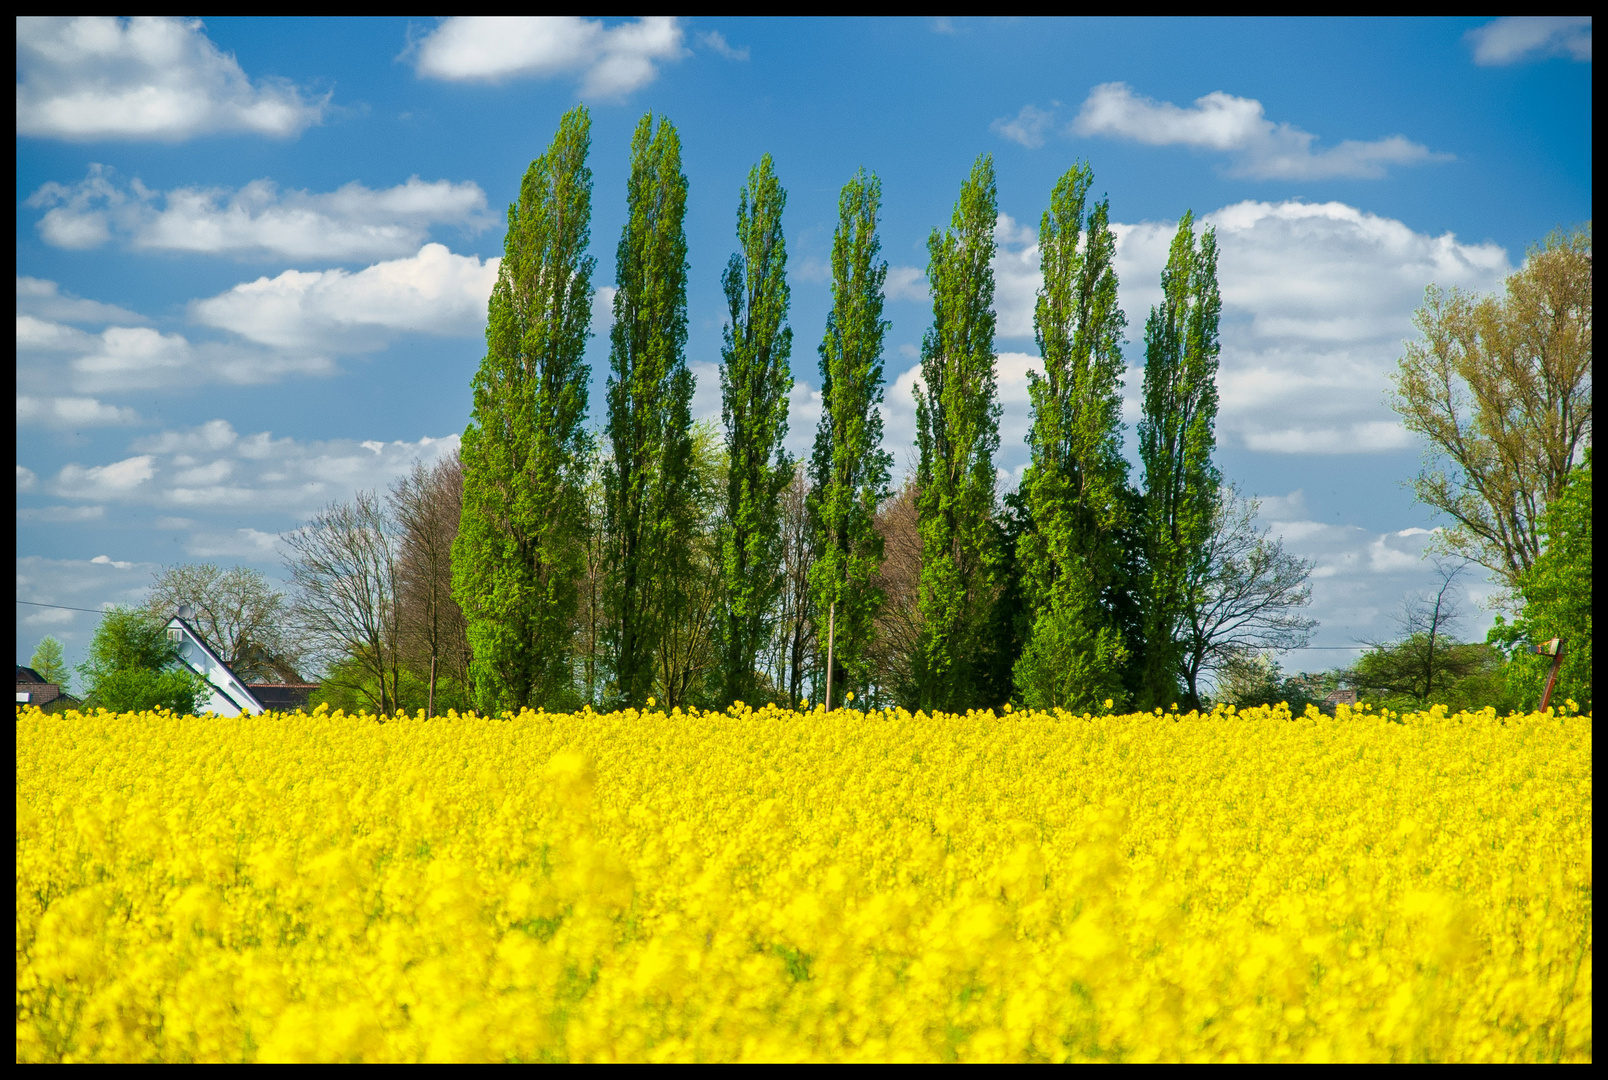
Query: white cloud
[241, 544]
[905, 283]
[1017, 278]
[351, 222]
[137, 358]
[1027, 127]
[1316, 301]
[211, 470]
[146, 78]
[72, 412]
[1360, 438]
[36, 297]
[107, 560]
[26, 480]
[716, 42]
[433, 292]
[1238, 126]
[119, 480]
[1517, 38]
[609, 60]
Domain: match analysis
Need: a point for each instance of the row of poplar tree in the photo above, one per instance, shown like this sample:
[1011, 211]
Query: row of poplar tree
[1067, 592]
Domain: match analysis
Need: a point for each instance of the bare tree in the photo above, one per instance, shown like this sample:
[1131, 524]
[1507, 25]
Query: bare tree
[434, 636]
[690, 600]
[591, 615]
[1244, 595]
[792, 654]
[342, 565]
[242, 616]
[897, 644]
[1427, 654]
[1501, 388]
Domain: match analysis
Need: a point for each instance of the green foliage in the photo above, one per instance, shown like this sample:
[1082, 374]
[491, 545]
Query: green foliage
[1176, 441]
[957, 423]
[1466, 676]
[1258, 679]
[754, 382]
[1073, 488]
[849, 470]
[351, 687]
[520, 546]
[133, 667]
[50, 662]
[649, 482]
[1557, 601]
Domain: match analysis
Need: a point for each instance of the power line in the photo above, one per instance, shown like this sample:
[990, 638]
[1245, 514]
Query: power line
[63, 607]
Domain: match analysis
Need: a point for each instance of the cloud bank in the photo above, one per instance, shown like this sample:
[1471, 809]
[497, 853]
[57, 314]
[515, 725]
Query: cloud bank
[610, 61]
[1260, 148]
[1518, 38]
[258, 220]
[98, 77]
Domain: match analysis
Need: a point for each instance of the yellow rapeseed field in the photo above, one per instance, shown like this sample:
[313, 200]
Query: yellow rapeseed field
[775, 885]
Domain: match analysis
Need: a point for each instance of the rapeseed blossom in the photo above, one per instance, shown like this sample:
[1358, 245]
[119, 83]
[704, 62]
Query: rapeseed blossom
[766, 884]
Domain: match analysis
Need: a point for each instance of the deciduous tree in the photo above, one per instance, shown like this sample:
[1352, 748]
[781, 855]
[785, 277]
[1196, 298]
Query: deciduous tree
[242, 617]
[520, 547]
[1501, 389]
[1176, 439]
[1073, 487]
[754, 382]
[849, 468]
[649, 481]
[957, 424]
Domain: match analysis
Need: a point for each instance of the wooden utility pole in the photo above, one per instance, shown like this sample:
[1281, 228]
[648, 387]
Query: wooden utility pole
[1554, 649]
[831, 628]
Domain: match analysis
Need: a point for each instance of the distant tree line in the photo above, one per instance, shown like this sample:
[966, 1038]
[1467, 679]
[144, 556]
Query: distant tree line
[551, 565]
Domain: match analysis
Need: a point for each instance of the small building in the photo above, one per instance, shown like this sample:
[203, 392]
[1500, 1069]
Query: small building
[34, 689]
[1341, 697]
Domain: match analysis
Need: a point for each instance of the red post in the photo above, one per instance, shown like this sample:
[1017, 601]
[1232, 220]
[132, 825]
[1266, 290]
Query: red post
[1553, 648]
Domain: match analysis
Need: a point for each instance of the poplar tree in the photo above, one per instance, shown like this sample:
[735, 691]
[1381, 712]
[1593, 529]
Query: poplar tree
[957, 426]
[1073, 487]
[519, 550]
[754, 383]
[850, 471]
[1176, 441]
[649, 484]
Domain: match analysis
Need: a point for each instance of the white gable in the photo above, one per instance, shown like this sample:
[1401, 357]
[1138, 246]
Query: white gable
[229, 695]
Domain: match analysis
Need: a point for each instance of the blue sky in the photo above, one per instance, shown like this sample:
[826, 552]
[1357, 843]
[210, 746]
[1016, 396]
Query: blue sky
[253, 255]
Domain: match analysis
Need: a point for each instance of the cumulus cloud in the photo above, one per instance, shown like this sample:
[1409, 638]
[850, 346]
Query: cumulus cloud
[26, 480]
[1027, 127]
[1238, 126]
[906, 283]
[212, 470]
[351, 222]
[247, 544]
[609, 61]
[1517, 38]
[72, 412]
[44, 299]
[122, 358]
[433, 292]
[1317, 298]
[98, 77]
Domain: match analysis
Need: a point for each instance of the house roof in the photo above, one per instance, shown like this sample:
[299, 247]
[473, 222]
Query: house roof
[201, 640]
[29, 675]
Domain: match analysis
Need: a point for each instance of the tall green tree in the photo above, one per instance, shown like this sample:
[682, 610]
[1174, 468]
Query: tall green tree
[1073, 487]
[649, 484]
[850, 471]
[957, 430]
[1177, 435]
[520, 547]
[754, 381]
